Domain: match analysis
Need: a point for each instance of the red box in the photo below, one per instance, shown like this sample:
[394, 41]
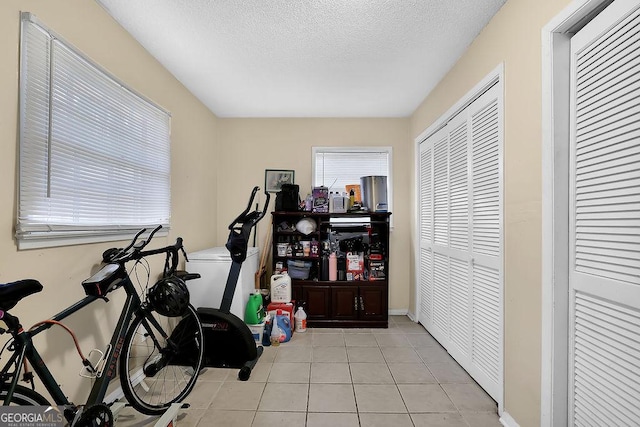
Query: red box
[286, 307]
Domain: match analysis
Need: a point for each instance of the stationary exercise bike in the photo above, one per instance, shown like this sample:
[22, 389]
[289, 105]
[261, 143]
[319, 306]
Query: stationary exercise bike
[228, 342]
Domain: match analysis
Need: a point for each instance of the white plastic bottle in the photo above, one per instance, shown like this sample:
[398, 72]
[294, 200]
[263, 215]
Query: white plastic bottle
[281, 288]
[301, 320]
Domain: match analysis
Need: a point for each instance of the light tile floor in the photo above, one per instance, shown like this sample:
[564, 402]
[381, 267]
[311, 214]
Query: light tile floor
[397, 377]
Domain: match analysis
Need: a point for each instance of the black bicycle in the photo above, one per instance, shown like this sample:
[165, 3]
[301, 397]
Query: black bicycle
[158, 364]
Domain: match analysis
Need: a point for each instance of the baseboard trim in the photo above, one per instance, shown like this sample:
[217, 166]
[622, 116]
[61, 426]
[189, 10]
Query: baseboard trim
[507, 420]
[411, 316]
[398, 312]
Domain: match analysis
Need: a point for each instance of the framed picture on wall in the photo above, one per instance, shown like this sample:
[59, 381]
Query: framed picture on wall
[274, 178]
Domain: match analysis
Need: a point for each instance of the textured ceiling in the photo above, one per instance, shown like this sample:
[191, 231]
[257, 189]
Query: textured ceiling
[306, 58]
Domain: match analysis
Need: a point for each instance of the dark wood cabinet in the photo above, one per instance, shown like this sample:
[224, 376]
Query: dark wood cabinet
[374, 303]
[344, 302]
[317, 299]
[359, 302]
[358, 299]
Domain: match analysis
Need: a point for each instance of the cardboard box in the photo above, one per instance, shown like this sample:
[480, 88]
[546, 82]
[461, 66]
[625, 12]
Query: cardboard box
[376, 270]
[355, 266]
[320, 199]
[357, 191]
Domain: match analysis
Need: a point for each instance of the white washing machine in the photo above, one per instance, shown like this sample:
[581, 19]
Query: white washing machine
[213, 265]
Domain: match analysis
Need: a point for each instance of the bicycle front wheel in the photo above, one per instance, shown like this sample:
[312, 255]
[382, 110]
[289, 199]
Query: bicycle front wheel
[161, 359]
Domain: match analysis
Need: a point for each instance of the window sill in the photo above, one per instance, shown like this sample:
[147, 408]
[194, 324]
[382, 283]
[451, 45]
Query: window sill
[39, 240]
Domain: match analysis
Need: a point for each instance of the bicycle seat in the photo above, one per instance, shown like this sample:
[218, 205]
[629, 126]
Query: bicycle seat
[185, 275]
[11, 293]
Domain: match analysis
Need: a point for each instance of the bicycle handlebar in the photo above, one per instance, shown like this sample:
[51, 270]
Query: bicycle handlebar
[134, 251]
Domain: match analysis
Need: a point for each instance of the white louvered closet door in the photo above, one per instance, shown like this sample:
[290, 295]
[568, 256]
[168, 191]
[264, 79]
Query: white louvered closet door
[604, 279]
[486, 240]
[460, 280]
[426, 231]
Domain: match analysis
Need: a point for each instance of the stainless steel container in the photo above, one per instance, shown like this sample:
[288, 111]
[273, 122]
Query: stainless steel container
[374, 193]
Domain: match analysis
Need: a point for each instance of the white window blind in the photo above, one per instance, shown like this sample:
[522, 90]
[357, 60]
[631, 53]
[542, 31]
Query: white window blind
[336, 167]
[94, 155]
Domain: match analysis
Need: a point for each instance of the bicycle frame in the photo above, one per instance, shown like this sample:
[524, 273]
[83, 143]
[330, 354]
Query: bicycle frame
[25, 348]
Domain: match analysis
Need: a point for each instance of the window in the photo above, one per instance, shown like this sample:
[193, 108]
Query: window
[94, 155]
[337, 167]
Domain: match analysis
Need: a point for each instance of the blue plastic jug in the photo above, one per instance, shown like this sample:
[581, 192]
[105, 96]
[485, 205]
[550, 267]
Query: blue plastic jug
[285, 327]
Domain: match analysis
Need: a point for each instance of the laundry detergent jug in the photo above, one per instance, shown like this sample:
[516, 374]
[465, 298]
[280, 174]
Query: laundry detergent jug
[254, 311]
[284, 324]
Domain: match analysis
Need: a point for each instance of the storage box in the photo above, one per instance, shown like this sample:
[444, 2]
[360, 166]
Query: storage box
[257, 331]
[298, 269]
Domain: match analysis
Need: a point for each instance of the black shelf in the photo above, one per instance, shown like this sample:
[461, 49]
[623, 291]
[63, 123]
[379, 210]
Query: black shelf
[340, 303]
[298, 258]
[338, 282]
[297, 233]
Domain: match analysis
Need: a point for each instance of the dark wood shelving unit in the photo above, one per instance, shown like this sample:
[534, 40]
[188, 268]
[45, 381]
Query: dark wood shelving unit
[340, 303]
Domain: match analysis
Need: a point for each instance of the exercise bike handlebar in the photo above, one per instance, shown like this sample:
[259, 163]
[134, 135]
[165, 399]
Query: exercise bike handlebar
[251, 218]
[241, 227]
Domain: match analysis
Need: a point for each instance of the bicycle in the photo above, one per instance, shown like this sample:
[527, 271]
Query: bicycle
[154, 368]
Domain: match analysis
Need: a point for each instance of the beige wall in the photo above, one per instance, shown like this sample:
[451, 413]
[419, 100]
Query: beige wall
[87, 26]
[513, 37]
[253, 145]
[217, 162]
